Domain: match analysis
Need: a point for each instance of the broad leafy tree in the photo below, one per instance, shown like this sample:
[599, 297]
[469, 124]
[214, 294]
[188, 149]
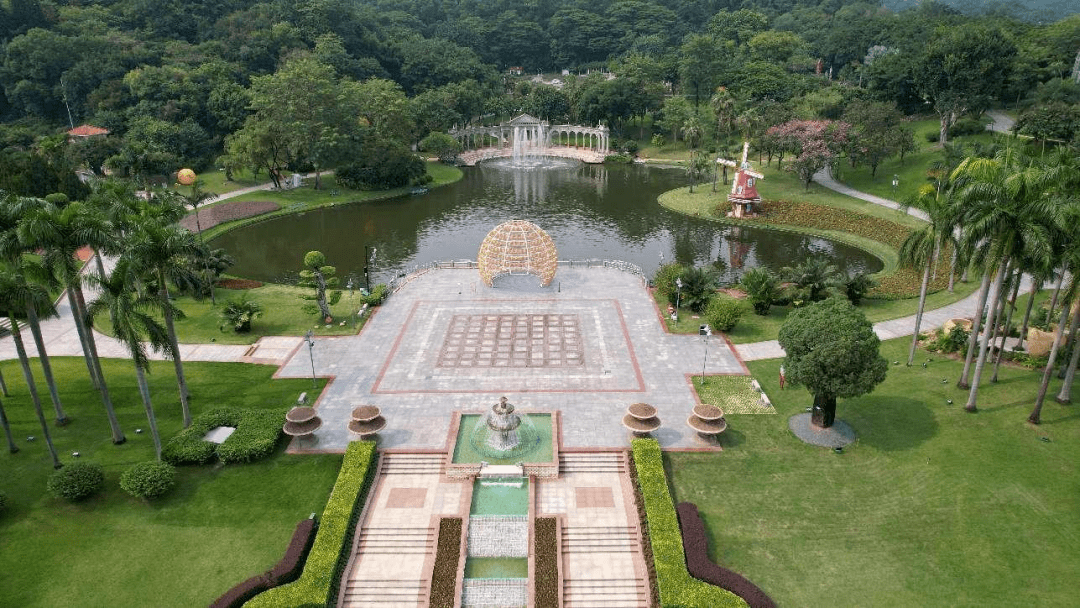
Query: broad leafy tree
[832, 350]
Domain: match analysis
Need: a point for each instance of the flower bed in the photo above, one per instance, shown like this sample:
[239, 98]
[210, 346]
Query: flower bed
[546, 579]
[238, 283]
[318, 585]
[698, 564]
[677, 587]
[447, 560]
[226, 212]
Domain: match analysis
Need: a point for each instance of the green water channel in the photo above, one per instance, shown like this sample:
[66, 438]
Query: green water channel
[497, 567]
[500, 496]
[464, 451]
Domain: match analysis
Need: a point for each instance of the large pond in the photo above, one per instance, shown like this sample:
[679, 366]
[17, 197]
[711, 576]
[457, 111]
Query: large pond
[590, 211]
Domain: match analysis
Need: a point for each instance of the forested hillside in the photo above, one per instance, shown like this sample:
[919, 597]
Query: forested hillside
[199, 83]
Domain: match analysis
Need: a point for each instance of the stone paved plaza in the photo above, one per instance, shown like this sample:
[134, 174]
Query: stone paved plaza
[589, 345]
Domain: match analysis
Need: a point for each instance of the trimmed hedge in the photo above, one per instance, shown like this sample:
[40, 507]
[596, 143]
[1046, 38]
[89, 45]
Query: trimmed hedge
[148, 479]
[77, 481]
[318, 585]
[677, 587]
[256, 436]
[285, 571]
[447, 559]
[700, 566]
[547, 564]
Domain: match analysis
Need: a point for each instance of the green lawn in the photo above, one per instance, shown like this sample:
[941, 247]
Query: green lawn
[214, 181]
[282, 316]
[219, 526]
[932, 506]
[330, 194]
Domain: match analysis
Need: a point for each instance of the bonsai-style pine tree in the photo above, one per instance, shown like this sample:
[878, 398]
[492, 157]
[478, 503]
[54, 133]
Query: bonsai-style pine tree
[831, 350]
[320, 276]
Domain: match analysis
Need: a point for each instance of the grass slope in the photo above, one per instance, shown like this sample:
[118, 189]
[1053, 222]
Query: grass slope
[931, 506]
[219, 526]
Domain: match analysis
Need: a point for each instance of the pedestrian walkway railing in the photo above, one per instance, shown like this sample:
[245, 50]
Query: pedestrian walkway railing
[404, 277]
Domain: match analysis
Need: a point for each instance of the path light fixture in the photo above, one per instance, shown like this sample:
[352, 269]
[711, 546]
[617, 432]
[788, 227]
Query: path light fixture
[678, 296]
[369, 261]
[309, 337]
[895, 182]
[704, 331]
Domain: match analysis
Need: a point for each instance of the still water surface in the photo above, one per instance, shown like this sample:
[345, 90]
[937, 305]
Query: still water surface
[590, 211]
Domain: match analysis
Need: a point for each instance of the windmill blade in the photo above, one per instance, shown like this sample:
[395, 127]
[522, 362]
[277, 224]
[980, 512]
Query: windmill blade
[724, 161]
[753, 174]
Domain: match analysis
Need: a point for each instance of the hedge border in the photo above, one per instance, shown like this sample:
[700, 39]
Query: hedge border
[677, 587]
[318, 585]
[696, 545]
[546, 581]
[285, 571]
[257, 434]
[447, 560]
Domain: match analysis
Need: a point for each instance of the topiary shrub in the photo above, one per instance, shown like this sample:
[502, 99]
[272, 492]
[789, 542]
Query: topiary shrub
[149, 479]
[723, 314]
[256, 435]
[77, 481]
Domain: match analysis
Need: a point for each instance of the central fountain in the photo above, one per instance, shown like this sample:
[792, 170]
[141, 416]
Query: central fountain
[502, 433]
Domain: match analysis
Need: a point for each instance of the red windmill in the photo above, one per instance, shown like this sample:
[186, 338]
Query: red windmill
[744, 192]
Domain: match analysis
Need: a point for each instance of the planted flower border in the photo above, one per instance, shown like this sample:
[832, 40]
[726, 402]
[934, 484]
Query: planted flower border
[547, 563]
[676, 586]
[447, 559]
[318, 585]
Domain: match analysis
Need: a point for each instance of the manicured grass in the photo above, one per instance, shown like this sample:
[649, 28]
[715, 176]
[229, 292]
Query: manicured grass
[220, 525]
[330, 194]
[932, 506]
[912, 171]
[214, 181]
[282, 315]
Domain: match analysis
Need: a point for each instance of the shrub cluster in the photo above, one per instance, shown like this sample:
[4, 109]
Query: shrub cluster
[318, 584]
[381, 165]
[677, 587]
[285, 571]
[956, 340]
[547, 563]
[696, 545]
[77, 481]
[256, 436]
[148, 479]
[447, 558]
[377, 296]
[724, 313]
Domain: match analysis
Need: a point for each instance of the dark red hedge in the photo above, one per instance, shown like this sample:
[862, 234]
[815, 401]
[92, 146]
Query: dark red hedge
[447, 559]
[696, 545]
[285, 571]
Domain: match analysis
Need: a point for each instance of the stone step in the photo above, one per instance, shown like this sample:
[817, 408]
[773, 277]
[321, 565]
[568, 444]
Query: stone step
[412, 541]
[384, 593]
[412, 464]
[587, 462]
[605, 593]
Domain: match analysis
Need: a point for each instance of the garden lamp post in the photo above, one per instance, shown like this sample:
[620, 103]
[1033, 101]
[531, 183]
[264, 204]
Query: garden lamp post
[678, 294]
[705, 332]
[309, 337]
[895, 182]
[369, 261]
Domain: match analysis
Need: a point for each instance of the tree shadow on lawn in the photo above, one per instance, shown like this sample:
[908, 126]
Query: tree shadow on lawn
[890, 423]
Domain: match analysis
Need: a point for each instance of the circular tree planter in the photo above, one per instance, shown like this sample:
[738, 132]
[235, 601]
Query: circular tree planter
[708, 412]
[301, 422]
[640, 419]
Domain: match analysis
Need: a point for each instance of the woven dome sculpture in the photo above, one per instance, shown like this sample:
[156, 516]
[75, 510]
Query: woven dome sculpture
[517, 247]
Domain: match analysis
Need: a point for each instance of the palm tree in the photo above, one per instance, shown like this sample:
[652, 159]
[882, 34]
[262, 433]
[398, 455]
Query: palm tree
[197, 197]
[160, 250]
[133, 318]
[7, 430]
[12, 248]
[15, 294]
[1036, 413]
[815, 276]
[1007, 215]
[60, 233]
[919, 247]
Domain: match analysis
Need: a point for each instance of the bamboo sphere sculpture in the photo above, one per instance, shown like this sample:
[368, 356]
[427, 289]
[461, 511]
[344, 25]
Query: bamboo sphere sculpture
[517, 247]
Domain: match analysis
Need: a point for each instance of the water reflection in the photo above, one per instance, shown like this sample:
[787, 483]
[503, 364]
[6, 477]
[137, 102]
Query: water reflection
[591, 212]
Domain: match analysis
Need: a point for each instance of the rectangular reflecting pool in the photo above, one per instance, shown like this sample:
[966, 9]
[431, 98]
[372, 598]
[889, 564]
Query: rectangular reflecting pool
[500, 496]
[497, 567]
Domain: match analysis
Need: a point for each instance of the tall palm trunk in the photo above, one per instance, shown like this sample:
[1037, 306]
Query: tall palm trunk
[1008, 320]
[919, 313]
[95, 360]
[7, 430]
[1036, 285]
[144, 391]
[80, 328]
[16, 333]
[952, 271]
[1036, 413]
[1065, 395]
[174, 345]
[46, 367]
[1054, 298]
[984, 345]
[3, 385]
[976, 326]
